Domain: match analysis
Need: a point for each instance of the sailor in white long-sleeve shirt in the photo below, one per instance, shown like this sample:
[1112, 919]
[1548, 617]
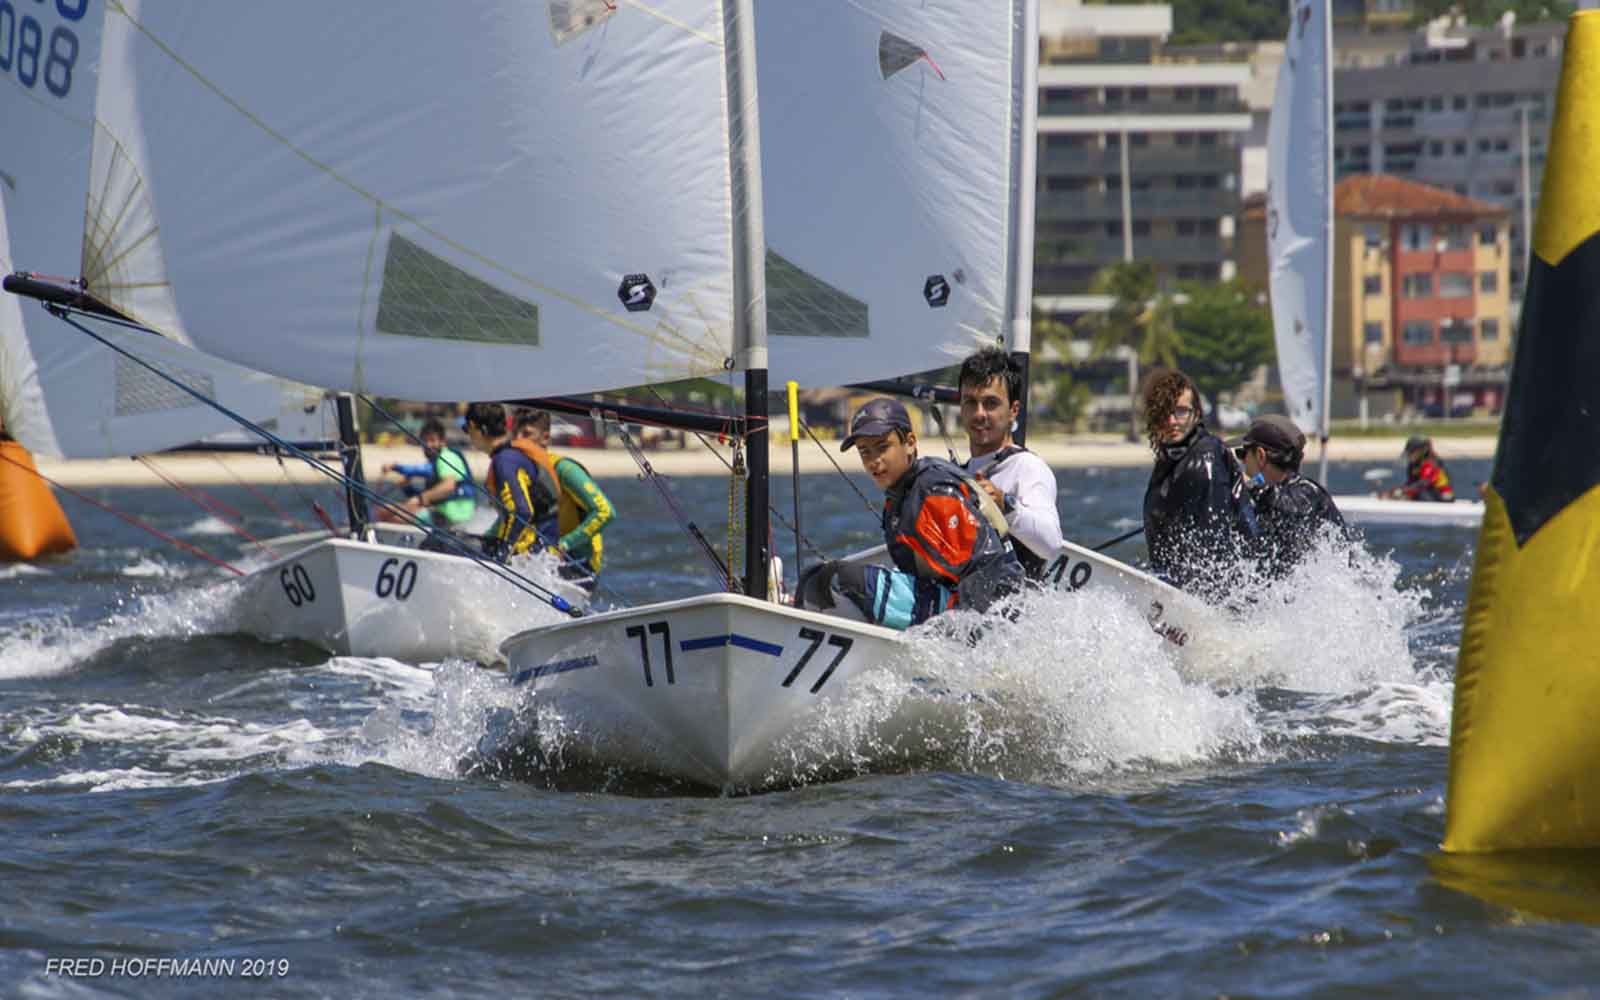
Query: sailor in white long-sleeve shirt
[1017, 479]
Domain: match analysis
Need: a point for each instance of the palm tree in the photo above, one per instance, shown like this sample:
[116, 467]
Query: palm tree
[1140, 318]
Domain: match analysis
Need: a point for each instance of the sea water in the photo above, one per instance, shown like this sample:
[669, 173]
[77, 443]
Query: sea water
[1101, 817]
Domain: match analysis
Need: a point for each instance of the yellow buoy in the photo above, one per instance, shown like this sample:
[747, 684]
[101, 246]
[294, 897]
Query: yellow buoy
[32, 524]
[1526, 727]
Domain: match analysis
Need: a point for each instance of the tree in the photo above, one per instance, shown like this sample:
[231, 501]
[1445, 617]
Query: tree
[1226, 334]
[1140, 317]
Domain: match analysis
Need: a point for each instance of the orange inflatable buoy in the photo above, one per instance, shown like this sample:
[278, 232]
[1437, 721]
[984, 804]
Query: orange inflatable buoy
[32, 524]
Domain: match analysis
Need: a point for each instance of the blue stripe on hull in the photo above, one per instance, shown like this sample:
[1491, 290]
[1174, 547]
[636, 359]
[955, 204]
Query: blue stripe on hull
[734, 639]
[558, 667]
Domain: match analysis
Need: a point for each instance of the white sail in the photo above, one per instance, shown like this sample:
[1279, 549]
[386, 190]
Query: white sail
[62, 394]
[1299, 214]
[887, 159]
[433, 201]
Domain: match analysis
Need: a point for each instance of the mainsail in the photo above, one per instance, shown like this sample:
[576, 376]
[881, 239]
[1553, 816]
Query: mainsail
[61, 393]
[1300, 215]
[434, 201]
[887, 162]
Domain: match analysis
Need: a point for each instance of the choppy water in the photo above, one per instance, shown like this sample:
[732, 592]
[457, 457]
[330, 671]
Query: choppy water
[1105, 826]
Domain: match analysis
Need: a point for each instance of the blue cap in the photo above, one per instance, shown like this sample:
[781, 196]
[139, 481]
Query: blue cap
[876, 418]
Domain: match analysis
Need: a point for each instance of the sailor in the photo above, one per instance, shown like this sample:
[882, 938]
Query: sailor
[1291, 511]
[1015, 478]
[1426, 476]
[446, 498]
[514, 482]
[582, 510]
[1197, 522]
[945, 536]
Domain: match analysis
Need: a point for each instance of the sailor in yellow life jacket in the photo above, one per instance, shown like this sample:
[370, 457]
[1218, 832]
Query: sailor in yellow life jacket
[582, 510]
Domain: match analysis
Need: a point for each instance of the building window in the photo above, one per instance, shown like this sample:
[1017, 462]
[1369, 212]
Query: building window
[1372, 284]
[1183, 94]
[1435, 149]
[1184, 138]
[1374, 237]
[1489, 329]
[1418, 332]
[1113, 95]
[1139, 139]
[1435, 104]
[1489, 281]
[1455, 285]
[1417, 286]
[1488, 235]
[1458, 102]
[1456, 331]
[1459, 147]
[1138, 95]
[1372, 333]
[1457, 236]
[1416, 236]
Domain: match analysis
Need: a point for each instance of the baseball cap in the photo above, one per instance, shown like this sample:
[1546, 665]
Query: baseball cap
[1415, 444]
[1277, 434]
[875, 418]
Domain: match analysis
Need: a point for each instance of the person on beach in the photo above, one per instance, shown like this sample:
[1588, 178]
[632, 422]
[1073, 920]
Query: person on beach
[1291, 511]
[446, 496]
[581, 511]
[1197, 522]
[1426, 477]
[945, 536]
[1015, 478]
[514, 482]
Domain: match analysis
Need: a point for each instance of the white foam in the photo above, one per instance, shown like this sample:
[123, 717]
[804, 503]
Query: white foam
[212, 525]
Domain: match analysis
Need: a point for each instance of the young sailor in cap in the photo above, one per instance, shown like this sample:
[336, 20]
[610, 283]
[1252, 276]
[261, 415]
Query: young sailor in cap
[946, 537]
[1292, 511]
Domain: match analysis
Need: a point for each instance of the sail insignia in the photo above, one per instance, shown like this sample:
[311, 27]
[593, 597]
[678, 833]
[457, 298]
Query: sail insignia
[426, 296]
[802, 305]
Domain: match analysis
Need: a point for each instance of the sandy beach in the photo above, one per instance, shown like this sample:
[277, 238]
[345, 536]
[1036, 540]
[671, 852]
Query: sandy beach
[697, 460]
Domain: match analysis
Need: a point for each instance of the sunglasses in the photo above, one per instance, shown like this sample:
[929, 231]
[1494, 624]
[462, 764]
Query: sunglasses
[1241, 451]
[1182, 412]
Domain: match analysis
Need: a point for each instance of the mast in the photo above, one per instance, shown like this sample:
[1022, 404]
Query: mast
[1019, 328]
[749, 278]
[355, 497]
[1327, 240]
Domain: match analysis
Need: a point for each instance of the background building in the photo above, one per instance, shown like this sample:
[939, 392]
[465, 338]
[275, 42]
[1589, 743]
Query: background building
[1105, 79]
[1450, 113]
[1421, 315]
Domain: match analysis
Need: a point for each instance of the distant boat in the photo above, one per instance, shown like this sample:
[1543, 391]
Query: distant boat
[1360, 509]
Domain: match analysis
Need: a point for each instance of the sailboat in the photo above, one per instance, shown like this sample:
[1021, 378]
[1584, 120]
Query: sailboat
[531, 201]
[1300, 239]
[65, 395]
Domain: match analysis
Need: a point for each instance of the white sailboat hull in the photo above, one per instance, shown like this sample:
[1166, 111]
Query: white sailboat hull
[1074, 568]
[730, 692]
[358, 598]
[1380, 510]
[719, 690]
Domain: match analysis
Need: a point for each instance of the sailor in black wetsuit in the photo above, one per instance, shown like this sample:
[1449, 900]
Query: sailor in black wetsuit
[1292, 512]
[1197, 522]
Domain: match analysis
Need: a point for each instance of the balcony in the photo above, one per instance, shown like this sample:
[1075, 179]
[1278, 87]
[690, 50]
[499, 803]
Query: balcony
[1052, 107]
[1433, 355]
[1202, 203]
[1141, 160]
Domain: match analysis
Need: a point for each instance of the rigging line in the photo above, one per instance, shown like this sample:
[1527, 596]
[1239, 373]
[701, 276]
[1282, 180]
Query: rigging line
[773, 511]
[658, 481]
[604, 314]
[842, 474]
[259, 495]
[209, 503]
[504, 573]
[566, 557]
[208, 557]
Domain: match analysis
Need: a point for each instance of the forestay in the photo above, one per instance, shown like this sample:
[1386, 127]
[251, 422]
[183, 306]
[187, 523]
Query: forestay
[61, 393]
[887, 158]
[426, 200]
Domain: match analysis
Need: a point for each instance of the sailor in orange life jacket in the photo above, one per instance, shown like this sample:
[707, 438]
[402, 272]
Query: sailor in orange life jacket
[1426, 476]
[514, 483]
[944, 533]
[582, 510]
